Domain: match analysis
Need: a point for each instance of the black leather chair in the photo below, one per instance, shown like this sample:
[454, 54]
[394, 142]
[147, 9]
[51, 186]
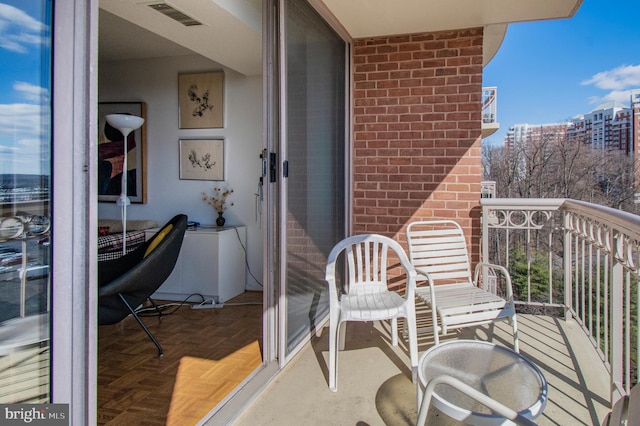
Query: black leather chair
[126, 282]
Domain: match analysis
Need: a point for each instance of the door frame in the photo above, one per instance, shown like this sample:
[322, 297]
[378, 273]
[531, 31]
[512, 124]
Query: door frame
[74, 208]
[281, 144]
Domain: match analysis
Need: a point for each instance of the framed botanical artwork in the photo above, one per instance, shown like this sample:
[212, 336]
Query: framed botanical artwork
[202, 159]
[111, 154]
[200, 99]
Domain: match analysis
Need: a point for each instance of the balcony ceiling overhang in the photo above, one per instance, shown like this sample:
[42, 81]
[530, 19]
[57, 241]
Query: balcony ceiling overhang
[231, 34]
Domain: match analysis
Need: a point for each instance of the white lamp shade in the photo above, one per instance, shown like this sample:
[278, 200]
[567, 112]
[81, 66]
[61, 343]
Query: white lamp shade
[124, 122]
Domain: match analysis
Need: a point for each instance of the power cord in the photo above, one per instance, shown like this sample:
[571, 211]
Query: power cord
[210, 303]
[159, 310]
[246, 257]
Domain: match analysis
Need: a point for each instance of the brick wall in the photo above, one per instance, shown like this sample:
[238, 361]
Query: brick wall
[417, 131]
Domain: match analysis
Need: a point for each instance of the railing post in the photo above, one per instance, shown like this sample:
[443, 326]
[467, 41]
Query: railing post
[617, 322]
[484, 255]
[568, 276]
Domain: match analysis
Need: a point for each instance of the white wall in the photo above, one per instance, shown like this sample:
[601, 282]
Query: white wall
[155, 82]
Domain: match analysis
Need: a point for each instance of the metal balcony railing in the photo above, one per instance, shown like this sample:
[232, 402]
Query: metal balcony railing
[578, 259]
[25, 300]
[489, 105]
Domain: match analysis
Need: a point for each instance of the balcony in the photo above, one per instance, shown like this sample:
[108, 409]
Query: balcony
[575, 268]
[490, 123]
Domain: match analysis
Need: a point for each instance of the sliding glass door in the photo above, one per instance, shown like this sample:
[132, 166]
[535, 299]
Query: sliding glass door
[25, 176]
[313, 141]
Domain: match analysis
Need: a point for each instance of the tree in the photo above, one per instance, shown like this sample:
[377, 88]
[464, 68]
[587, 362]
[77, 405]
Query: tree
[552, 167]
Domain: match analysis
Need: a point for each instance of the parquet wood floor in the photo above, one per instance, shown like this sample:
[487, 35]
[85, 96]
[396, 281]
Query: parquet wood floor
[207, 352]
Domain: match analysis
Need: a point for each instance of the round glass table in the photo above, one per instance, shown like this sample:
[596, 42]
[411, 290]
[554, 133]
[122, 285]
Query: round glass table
[496, 371]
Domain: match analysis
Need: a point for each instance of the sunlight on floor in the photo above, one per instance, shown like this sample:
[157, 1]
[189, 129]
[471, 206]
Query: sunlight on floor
[202, 383]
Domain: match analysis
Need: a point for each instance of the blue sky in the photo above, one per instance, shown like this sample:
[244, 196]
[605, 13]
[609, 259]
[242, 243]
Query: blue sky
[550, 71]
[24, 89]
[545, 72]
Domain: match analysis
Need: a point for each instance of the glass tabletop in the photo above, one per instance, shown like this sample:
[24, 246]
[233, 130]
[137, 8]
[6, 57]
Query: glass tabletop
[496, 371]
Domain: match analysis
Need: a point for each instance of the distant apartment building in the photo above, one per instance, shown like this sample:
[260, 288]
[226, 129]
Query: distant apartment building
[529, 134]
[609, 126]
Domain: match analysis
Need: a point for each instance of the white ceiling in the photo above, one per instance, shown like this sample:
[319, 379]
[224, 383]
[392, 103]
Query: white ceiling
[232, 34]
[369, 18]
[119, 39]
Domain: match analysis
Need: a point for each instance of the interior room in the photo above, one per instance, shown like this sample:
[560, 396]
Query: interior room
[144, 53]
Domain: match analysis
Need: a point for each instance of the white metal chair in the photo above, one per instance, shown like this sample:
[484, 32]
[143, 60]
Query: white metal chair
[438, 252]
[626, 410]
[364, 294]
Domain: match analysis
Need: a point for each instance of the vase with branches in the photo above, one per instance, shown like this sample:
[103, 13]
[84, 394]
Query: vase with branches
[218, 200]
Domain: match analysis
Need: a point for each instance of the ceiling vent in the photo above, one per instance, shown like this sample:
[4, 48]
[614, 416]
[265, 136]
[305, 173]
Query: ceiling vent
[174, 14]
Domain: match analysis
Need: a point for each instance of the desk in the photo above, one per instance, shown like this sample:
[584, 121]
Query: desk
[496, 371]
[211, 262]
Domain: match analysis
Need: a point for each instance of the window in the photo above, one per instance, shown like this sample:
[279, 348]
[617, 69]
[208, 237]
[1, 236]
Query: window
[25, 252]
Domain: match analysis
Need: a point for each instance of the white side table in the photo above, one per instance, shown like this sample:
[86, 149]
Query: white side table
[211, 263]
[496, 371]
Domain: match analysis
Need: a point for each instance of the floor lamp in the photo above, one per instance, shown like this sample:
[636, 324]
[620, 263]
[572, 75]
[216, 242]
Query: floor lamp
[126, 124]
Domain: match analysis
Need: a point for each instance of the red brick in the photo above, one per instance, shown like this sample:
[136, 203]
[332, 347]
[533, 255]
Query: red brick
[365, 68]
[447, 71]
[410, 117]
[401, 109]
[384, 76]
[434, 63]
[388, 66]
[459, 79]
[432, 117]
[433, 45]
[399, 57]
[417, 133]
[390, 48]
[388, 118]
[366, 50]
[399, 39]
[386, 101]
[411, 100]
[446, 53]
[400, 75]
[448, 107]
[459, 61]
[363, 85]
[408, 47]
[460, 42]
[411, 65]
[399, 92]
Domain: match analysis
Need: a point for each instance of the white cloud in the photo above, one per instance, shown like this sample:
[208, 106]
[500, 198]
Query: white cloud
[7, 149]
[24, 138]
[620, 96]
[619, 81]
[31, 92]
[18, 17]
[21, 120]
[620, 78]
[18, 30]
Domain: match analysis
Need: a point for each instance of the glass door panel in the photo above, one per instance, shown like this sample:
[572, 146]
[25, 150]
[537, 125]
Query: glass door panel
[314, 136]
[25, 171]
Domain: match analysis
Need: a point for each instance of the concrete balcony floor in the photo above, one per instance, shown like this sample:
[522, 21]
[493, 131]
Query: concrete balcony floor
[374, 379]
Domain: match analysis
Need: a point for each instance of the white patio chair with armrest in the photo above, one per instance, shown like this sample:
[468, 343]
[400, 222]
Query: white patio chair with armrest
[626, 410]
[438, 252]
[364, 295]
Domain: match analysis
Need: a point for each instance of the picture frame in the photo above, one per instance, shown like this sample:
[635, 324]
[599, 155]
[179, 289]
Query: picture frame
[202, 159]
[111, 154]
[201, 100]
